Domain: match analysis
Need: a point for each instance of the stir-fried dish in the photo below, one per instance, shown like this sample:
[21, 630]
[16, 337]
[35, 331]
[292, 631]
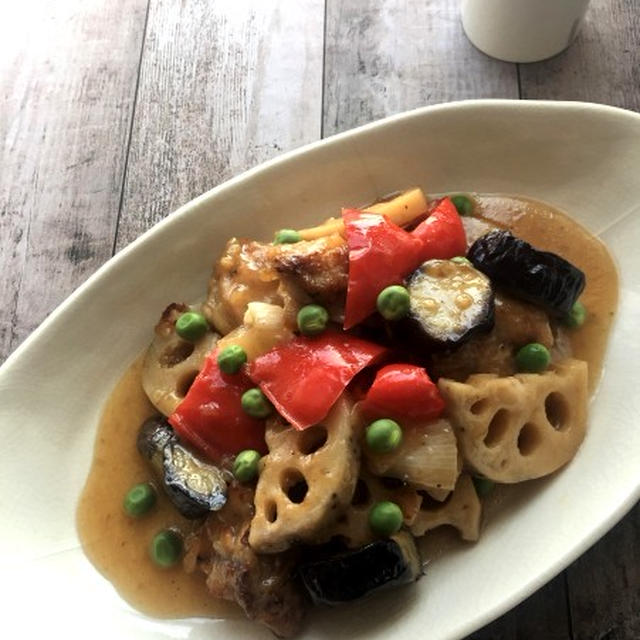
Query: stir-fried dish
[344, 390]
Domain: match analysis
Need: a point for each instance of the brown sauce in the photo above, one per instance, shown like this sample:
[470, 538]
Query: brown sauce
[118, 545]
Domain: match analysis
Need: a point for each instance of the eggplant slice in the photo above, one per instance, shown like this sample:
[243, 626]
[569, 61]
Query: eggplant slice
[540, 277]
[194, 487]
[449, 303]
[353, 574]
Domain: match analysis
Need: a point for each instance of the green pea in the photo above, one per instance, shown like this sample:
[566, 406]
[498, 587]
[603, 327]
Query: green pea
[245, 466]
[463, 204]
[576, 316]
[166, 548]
[462, 260]
[231, 358]
[533, 358]
[255, 403]
[287, 236]
[139, 499]
[385, 518]
[483, 486]
[191, 326]
[383, 435]
[312, 319]
[393, 302]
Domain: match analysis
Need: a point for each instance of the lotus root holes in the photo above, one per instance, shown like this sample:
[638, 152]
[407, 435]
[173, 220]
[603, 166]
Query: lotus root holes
[184, 384]
[271, 512]
[312, 439]
[479, 406]
[557, 410]
[294, 485]
[528, 439]
[431, 504]
[176, 353]
[497, 428]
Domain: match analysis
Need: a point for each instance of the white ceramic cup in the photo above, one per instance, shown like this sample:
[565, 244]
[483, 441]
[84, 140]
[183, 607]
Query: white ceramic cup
[522, 30]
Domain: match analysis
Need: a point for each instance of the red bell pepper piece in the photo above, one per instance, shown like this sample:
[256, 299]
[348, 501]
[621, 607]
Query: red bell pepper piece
[403, 391]
[442, 233]
[380, 254]
[211, 417]
[305, 376]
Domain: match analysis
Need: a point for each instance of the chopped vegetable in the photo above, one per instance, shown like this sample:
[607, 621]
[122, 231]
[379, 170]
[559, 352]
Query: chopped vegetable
[463, 204]
[231, 358]
[461, 260]
[194, 487]
[540, 277]
[576, 316]
[255, 403]
[191, 326]
[383, 435]
[312, 319]
[380, 254]
[449, 303]
[385, 518]
[442, 234]
[401, 210]
[245, 466]
[393, 302]
[533, 358]
[211, 417]
[427, 457]
[305, 376]
[166, 548]
[355, 573]
[287, 236]
[404, 391]
[140, 499]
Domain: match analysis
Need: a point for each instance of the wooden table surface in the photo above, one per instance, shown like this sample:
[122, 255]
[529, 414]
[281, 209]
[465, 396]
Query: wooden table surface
[115, 112]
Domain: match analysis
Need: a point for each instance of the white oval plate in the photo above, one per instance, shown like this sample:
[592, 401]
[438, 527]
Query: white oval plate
[583, 158]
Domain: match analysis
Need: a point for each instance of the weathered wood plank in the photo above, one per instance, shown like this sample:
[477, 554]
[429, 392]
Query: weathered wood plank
[604, 585]
[602, 65]
[223, 87]
[383, 58]
[543, 615]
[67, 81]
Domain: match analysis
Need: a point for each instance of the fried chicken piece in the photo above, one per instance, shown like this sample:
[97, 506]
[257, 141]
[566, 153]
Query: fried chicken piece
[289, 275]
[263, 585]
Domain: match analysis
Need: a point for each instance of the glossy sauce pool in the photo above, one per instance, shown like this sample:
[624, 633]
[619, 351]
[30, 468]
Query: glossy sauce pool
[118, 545]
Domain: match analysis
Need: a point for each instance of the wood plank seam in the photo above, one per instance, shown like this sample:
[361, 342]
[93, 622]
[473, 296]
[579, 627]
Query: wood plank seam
[130, 130]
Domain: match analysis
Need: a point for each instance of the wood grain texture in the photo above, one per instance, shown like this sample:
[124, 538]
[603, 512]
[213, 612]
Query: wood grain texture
[387, 57]
[542, 616]
[602, 65]
[223, 86]
[604, 585]
[67, 80]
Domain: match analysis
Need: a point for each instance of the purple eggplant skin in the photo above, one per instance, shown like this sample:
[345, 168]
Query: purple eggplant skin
[425, 330]
[356, 573]
[540, 277]
[195, 488]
